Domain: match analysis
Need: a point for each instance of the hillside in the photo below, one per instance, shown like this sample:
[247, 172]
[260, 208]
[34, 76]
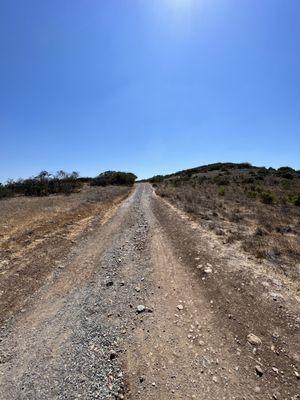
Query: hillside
[258, 208]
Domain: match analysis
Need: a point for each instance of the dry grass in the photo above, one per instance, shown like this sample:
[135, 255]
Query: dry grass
[37, 233]
[254, 208]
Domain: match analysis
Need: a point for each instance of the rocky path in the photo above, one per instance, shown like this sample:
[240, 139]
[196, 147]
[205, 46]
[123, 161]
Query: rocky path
[148, 306]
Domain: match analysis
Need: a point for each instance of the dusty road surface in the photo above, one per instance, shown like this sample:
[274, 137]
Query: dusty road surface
[149, 305]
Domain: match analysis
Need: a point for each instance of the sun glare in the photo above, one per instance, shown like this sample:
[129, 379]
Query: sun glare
[180, 4]
[180, 13]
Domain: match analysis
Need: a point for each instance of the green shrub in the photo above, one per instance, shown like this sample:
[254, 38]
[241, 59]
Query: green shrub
[156, 179]
[251, 194]
[43, 184]
[286, 172]
[248, 179]
[297, 200]
[259, 178]
[4, 192]
[284, 200]
[221, 180]
[114, 178]
[268, 198]
[221, 191]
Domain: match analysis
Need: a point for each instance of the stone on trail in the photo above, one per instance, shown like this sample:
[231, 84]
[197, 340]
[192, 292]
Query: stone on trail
[180, 307]
[140, 308]
[258, 370]
[112, 355]
[253, 339]
[208, 270]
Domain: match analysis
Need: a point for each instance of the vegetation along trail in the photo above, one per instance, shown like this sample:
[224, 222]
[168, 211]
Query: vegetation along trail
[151, 305]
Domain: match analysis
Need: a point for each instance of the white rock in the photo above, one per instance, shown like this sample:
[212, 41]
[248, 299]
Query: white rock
[140, 308]
[254, 340]
[276, 296]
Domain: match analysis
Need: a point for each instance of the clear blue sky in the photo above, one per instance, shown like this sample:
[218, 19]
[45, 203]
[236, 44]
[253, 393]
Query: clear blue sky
[150, 86]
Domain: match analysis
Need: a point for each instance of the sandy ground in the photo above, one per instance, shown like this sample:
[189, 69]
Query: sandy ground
[149, 305]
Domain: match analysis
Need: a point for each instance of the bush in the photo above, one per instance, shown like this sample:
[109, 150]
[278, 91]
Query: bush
[114, 178]
[221, 180]
[297, 201]
[286, 172]
[268, 198]
[4, 192]
[156, 179]
[201, 179]
[251, 194]
[221, 191]
[248, 180]
[43, 184]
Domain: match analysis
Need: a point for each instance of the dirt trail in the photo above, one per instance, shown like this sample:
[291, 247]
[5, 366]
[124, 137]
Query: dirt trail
[81, 335]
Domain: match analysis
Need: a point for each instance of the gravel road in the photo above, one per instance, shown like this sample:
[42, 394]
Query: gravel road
[150, 306]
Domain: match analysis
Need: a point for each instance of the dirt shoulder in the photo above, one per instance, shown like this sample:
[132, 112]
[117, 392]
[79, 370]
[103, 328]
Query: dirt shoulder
[244, 298]
[38, 233]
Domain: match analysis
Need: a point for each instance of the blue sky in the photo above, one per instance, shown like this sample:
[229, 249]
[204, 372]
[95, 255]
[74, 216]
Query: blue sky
[150, 86]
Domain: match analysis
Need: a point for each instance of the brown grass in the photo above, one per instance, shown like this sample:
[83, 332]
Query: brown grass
[38, 233]
[257, 211]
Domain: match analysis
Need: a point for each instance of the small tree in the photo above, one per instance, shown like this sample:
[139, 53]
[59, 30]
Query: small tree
[114, 178]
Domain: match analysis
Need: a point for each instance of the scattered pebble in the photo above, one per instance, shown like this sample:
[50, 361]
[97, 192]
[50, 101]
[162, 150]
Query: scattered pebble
[254, 340]
[258, 370]
[112, 355]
